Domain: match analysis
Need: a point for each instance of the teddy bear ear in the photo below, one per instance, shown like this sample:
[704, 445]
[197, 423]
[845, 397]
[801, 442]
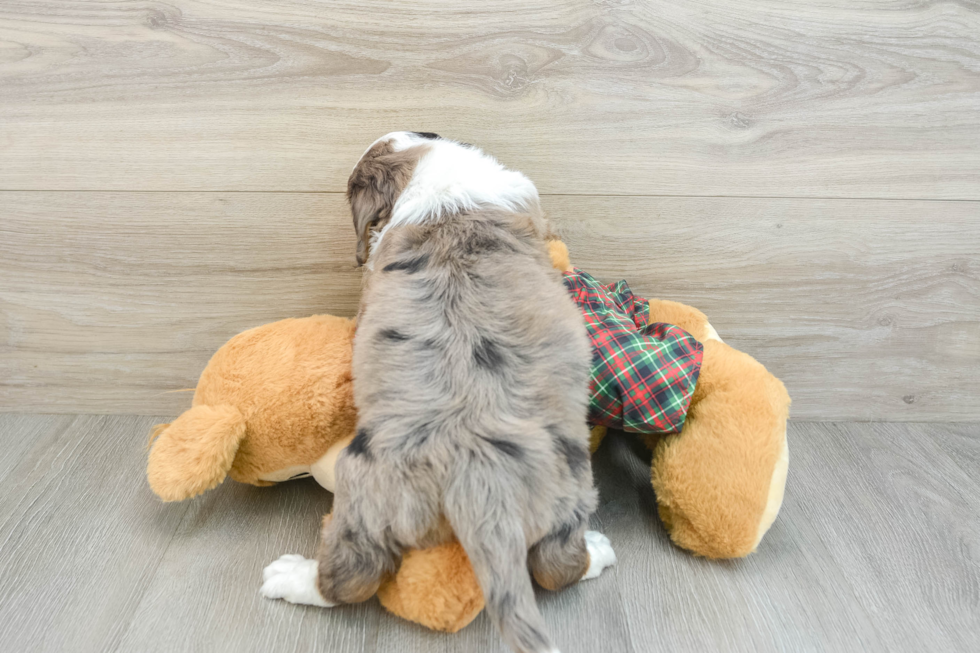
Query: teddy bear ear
[559, 256]
[194, 453]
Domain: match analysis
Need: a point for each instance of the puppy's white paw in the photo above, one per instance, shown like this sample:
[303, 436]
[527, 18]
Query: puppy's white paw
[601, 554]
[293, 578]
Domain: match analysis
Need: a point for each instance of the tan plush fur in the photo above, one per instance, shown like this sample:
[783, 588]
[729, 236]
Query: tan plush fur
[286, 386]
[289, 384]
[434, 587]
[195, 452]
[558, 252]
[713, 478]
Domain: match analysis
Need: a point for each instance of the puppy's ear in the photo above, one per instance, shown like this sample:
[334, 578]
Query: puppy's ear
[370, 212]
[374, 187]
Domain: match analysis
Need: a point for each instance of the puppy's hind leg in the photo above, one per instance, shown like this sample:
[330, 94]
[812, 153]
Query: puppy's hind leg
[348, 568]
[565, 556]
[357, 547]
[352, 560]
[560, 558]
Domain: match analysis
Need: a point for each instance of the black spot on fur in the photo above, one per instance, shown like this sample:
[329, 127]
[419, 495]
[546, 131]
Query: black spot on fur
[575, 453]
[418, 437]
[481, 244]
[488, 355]
[415, 438]
[505, 602]
[410, 266]
[359, 445]
[562, 534]
[391, 542]
[392, 335]
[428, 135]
[507, 448]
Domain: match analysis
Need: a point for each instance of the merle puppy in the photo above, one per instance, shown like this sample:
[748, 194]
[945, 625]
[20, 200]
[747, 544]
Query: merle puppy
[471, 371]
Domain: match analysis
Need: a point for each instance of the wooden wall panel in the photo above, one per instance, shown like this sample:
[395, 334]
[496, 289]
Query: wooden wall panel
[815, 98]
[866, 309]
[108, 300]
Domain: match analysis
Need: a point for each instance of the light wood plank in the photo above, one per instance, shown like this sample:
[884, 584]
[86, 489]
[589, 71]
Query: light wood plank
[910, 517]
[961, 444]
[205, 593]
[798, 97]
[876, 549]
[866, 309]
[110, 301]
[25, 435]
[80, 535]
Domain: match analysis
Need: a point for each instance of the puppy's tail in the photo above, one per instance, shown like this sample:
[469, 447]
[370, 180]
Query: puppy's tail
[481, 509]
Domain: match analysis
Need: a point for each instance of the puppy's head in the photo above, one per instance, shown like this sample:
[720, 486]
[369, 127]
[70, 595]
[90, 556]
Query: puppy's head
[378, 179]
[407, 177]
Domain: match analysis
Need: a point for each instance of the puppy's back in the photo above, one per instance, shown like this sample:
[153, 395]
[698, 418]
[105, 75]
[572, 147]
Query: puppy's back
[471, 373]
[466, 314]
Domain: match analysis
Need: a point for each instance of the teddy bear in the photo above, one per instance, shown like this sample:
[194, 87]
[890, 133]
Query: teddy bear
[275, 403]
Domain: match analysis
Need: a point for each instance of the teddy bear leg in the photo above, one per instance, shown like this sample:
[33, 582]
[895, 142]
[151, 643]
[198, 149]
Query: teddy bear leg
[596, 435]
[690, 319]
[719, 482]
[434, 587]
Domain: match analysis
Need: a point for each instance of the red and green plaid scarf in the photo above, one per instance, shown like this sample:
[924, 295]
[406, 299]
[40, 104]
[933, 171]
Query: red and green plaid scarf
[643, 375]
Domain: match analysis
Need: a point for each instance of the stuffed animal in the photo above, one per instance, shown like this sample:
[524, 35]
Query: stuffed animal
[719, 481]
[275, 403]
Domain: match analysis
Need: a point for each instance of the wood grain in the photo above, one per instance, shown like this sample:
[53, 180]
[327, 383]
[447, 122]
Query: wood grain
[960, 443]
[205, 594]
[80, 533]
[794, 98]
[876, 549]
[866, 309]
[24, 434]
[110, 301]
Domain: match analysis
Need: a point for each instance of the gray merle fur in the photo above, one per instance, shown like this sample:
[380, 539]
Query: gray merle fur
[499, 460]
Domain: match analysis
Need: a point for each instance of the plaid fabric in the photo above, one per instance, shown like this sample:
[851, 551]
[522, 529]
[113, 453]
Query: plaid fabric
[643, 375]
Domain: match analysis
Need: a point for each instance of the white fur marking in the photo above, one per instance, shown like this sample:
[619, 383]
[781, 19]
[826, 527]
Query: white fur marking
[712, 334]
[601, 554]
[450, 178]
[293, 578]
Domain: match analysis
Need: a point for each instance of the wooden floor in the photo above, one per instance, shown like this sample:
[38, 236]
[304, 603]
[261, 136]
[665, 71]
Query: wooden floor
[877, 548]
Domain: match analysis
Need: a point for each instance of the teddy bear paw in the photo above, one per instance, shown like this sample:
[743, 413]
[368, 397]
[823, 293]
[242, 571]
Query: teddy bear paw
[601, 554]
[293, 578]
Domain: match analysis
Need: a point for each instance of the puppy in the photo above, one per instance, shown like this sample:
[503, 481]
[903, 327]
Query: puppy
[471, 372]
